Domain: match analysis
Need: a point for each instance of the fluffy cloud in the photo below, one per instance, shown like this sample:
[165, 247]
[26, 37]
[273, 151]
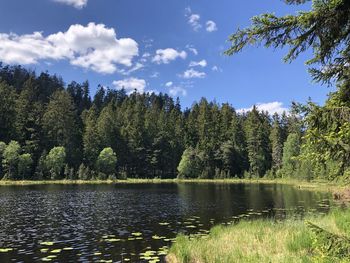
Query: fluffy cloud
[202, 63]
[169, 84]
[76, 3]
[154, 75]
[270, 107]
[165, 56]
[193, 50]
[177, 91]
[193, 19]
[136, 67]
[191, 74]
[211, 26]
[216, 69]
[131, 84]
[92, 47]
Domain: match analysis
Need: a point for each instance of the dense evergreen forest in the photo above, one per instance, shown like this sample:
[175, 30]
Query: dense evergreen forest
[49, 130]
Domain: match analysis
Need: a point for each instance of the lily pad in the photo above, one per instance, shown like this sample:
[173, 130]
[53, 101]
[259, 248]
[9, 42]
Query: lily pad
[5, 250]
[47, 243]
[113, 240]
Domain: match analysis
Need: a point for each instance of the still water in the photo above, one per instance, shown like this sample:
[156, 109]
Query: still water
[132, 222]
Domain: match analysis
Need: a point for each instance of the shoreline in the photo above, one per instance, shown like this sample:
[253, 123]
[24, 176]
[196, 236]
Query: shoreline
[321, 184]
[340, 190]
[315, 239]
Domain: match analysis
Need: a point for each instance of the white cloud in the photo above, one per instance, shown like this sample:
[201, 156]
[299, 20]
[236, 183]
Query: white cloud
[169, 84]
[131, 84]
[177, 91]
[145, 57]
[92, 47]
[211, 26]
[191, 73]
[76, 3]
[270, 107]
[193, 50]
[202, 63]
[136, 67]
[193, 19]
[152, 91]
[165, 56]
[216, 69]
[148, 42]
[154, 75]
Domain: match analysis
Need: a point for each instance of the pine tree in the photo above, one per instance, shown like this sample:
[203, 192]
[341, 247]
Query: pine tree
[60, 124]
[7, 112]
[291, 151]
[276, 138]
[257, 143]
[91, 137]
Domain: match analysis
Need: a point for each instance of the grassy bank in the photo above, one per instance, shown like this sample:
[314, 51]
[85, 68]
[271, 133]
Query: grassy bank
[314, 185]
[81, 182]
[325, 239]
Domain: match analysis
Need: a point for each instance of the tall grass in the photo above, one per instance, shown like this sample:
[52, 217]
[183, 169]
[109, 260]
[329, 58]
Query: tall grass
[270, 241]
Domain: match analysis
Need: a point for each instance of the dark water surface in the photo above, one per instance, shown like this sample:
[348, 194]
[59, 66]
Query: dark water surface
[132, 222]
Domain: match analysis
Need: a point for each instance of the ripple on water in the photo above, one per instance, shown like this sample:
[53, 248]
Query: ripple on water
[109, 223]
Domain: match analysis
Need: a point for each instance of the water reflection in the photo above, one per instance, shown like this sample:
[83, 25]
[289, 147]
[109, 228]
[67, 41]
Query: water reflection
[137, 223]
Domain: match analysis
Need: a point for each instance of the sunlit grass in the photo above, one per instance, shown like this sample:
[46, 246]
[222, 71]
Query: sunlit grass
[259, 241]
[317, 184]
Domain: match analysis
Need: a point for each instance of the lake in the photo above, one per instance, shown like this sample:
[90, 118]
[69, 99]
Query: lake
[132, 222]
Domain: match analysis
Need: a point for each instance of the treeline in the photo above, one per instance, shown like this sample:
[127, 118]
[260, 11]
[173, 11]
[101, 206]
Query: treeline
[52, 131]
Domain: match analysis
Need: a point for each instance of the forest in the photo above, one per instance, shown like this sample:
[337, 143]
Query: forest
[49, 130]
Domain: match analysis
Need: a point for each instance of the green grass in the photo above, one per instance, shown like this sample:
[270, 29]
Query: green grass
[270, 241]
[317, 185]
[81, 182]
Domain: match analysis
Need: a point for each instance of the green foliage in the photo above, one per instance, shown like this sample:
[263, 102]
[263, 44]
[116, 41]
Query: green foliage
[2, 149]
[106, 163]
[190, 164]
[7, 111]
[329, 247]
[257, 129]
[91, 139]
[150, 134]
[325, 30]
[60, 124]
[327, 139]
[276, 138]
[10, 160]
[24, 166]
[55, 162]
[291, 150]
[84, 172]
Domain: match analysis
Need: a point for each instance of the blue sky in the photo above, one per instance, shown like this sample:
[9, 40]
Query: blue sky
[172, 46]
